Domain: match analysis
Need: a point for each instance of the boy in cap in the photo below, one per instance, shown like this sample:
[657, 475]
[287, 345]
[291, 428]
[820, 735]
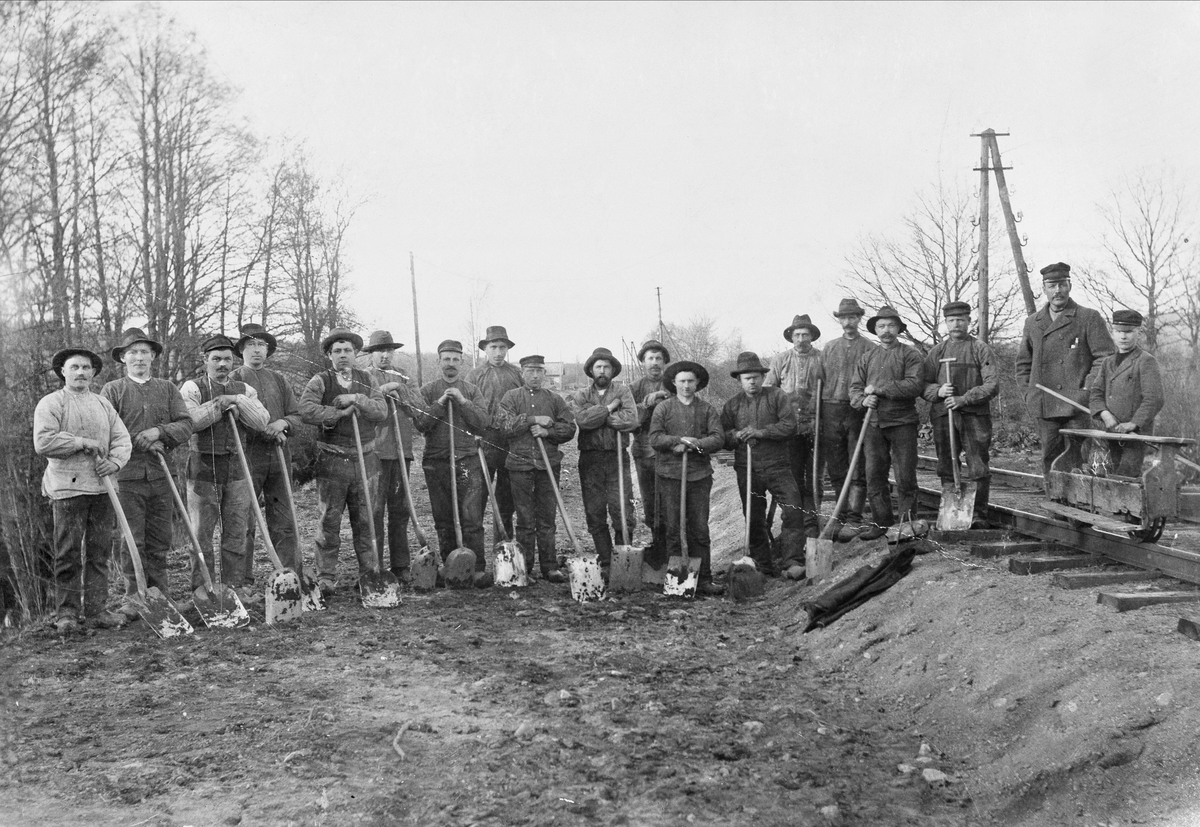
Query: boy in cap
[764, 419]
[681, 424]
[494, 378]
[158, 421]
[1127, 392]
[604, 412]
[529, 413]
[648, 392]
[1061, 348]
[841, 422]
[83, 439]
[796, 371]
[974, 382]
[328, 401]
[888, 381]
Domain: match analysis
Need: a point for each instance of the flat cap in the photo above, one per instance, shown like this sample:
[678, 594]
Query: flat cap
[1058, 271]
[450, 345]
[218, 341]
[533, 361]
[1127, 318]
[956, 309]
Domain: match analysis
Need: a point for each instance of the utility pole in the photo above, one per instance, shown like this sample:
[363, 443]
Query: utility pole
[412, 269]
[1011, 221]
[658, 291]
[984, 240]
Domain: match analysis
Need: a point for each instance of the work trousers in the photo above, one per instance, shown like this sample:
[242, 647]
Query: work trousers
[536, 514]
[391, 499]
[778, 480]
[840, 427]
[696, 514]
[800, 456]
[340, 488]
[656, 556]
[225, 503]
[150, 510]
[269, 484]
[602, 501]
[1053, 443]
[496, 455]
[893, 448]
[82, 541]
[973, 433]
[470, 505]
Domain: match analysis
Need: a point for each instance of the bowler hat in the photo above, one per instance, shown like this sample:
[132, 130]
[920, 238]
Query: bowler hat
[849, 307]
[799, 322]
[1127, 318]
[885, 312]
[341, 334]
[59, 359]
[450, 345]
[1058, 271]
[496, 333]
[533, 361]
[381, 340]
[685, 367]
[748, 362]
[956, 309]
[218, 341]
[132, 336]
[256, 331]
[605, 354]
[654, 344]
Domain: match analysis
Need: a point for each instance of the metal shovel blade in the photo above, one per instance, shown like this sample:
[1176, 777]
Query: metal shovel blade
[160, 614]
[957, 507]
[424, 569]
[310, 593]
[509, 565]
[285, 599]
[376, 592]
[220, 609]
[460, 569]
[683, 576]
[625, 574]
[587, 582]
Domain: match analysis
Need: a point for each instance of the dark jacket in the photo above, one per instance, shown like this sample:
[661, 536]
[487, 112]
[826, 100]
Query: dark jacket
[597, 427]
[773, 413]
[974, 374]
[334, 431]
[1131, 391]
[470, 420]
[642, 449]
[517, 410]
[672, 419]
[895, 373]
[276, 395]
[152, 404]
[1064, 354]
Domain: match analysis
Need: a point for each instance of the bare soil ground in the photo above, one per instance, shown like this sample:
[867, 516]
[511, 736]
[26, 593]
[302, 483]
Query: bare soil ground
[963, 695]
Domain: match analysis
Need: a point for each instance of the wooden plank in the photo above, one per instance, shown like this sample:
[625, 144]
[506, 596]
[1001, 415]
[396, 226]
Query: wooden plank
[1038, 565]
[1124, 602]
[970, 535]
[1096, 521]
[988, 550]
[1189, 627]
[1091, 433]
[1090, 579]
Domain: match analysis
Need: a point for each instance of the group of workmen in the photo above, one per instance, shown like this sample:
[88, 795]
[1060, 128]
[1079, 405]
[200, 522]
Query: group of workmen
[504, 421]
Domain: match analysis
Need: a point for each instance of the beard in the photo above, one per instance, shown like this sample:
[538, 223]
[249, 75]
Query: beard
[602, 382]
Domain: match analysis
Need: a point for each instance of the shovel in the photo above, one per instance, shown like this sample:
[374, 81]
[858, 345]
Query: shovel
[958, 500]
[460, 563]
[510, 569]
[625, 575]
[378, 590]
[424, 564]
[583, 569]
[311, 590]
[683, 572]
[1100, 460]
[284, 599]
[151, 604]
[218, 607]
[816, 451]
[819, 562]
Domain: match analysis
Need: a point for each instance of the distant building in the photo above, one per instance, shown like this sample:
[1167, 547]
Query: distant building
[554, 375]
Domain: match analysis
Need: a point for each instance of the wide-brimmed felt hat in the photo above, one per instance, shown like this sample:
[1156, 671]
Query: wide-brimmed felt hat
[1058, 271]
[1127, 318]
[451, 345]
[849, 307]
[605, 354]
[956, 309]
[496, 333]
[799, 322]
[59, 359]
[885, 312]
[217, 341]
[132, 336]
[381, 340]
[533, 361]
[252, 330]
[341, 334]
[653, 344]
[677, 368]
[748, 362]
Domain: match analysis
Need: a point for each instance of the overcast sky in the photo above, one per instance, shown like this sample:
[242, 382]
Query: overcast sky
[571, 158]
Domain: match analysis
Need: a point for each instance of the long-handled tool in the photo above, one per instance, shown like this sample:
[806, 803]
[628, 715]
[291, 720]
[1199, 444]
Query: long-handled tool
[309, 587]
[219, 607]
[285, 600]
[816, 452]
[683, 571]
[582, 569]
[460, 563]
[510, 567]
[625, 574]
[745, 580]
[819, 562]
[376, 588]
[151, 604]
[957, 508]
[424, 563]
[1099, 459]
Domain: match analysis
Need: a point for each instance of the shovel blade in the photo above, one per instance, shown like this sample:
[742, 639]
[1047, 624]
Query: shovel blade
[957, 507]
[625, 574]
[510, 565]
[818, 558]
[379, 590]
[161, 615]
[424, 569]
[460, 569]
[285, 598]
[587, 581]
[745, 580]
[311, 599]
[222, 610]
[653, 576]
[683, 576]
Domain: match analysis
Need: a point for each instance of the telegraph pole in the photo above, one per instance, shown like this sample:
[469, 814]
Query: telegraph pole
[1011, 221]
[412, 269]
[982, 265]
[658, 291]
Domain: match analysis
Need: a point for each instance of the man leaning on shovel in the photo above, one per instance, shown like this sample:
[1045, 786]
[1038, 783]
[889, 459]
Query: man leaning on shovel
[974, 382]
[494, 378]
[648, 392]
[83, 439]
[158, 421]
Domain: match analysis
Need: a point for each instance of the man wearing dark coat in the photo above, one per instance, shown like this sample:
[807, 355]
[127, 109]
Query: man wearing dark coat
[648, 392]
[1127, 393]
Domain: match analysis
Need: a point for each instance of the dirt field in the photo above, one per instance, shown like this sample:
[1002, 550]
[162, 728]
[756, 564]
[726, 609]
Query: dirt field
[964, 695]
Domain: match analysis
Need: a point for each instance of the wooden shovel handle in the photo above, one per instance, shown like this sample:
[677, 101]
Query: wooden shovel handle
[562, 507]
[408, 497]
[258, 515]
[453, 475]
[621, 487]
[183, 515]
[284, 462]
[953, 437]
[366, 484]
[1068, 400]
[487, 478]
[749, 490]
[138, 573]
[816, 466]
[683, 549]
[827, 532]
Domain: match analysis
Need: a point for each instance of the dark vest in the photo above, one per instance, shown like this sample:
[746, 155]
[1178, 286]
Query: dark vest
[342, 434]
[218, 437]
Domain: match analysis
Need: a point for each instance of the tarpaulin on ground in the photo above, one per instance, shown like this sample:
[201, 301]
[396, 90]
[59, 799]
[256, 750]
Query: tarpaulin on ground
[860, 587]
